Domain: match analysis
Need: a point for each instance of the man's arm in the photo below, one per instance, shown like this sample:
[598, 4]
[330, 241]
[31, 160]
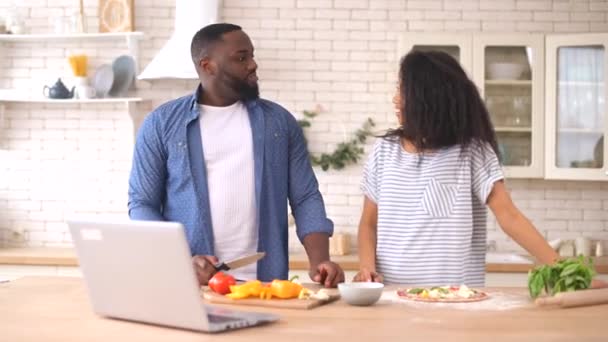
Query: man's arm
[148, 173]
[312, 225]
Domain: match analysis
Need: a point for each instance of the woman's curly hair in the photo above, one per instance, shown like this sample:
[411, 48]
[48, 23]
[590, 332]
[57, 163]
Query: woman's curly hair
[440, 105]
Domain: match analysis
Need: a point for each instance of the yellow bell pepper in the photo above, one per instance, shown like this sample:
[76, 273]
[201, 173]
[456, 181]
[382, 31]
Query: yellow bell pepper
[283, 289]
[250, 288]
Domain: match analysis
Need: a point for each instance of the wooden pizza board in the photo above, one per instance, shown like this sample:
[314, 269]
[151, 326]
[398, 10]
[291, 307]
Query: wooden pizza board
[300, 304]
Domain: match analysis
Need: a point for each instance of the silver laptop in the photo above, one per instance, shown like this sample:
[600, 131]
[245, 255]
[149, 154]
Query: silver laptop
[142, 271]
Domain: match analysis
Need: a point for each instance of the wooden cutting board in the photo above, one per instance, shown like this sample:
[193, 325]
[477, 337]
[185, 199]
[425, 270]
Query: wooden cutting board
[301, 304]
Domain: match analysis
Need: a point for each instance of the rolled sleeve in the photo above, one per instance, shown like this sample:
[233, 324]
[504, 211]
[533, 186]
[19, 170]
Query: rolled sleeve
[305, 199]
[486, 170]
[369, 183]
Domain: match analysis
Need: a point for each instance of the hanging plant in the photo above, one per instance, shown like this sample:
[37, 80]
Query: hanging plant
[346, 153]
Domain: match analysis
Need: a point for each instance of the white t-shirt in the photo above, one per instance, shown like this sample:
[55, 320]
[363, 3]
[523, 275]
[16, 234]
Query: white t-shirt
[431, 212]
[228, 153]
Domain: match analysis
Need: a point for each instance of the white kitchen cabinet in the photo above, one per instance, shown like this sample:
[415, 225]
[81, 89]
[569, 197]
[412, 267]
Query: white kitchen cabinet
[509, 72]
[458, 46]
[576, 94]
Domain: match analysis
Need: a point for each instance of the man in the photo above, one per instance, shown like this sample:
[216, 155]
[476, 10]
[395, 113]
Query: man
[224, 163]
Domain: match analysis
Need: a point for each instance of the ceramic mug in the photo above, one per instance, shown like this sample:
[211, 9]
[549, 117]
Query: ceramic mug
[85, 92]
[583, 246]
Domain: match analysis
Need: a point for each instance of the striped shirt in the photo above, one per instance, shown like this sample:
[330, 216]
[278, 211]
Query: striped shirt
[431, 212]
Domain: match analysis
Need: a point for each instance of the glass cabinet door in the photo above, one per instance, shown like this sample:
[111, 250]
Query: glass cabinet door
[457, 45]
[577, 107]
[509, 72]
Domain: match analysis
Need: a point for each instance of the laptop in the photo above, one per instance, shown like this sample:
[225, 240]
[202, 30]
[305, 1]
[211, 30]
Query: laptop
[142, 271]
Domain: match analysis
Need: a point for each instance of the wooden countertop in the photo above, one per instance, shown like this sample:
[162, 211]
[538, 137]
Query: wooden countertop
[53, 256]
[57, 309]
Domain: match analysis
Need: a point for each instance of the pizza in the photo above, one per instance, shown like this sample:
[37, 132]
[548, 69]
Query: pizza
[443, 294]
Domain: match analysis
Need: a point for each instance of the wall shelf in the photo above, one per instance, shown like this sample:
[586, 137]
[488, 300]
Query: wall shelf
[69, 101]
[580, 131]
[580, 83]
[38, 37]
[131, 39]
[519, 83]
[509, 129]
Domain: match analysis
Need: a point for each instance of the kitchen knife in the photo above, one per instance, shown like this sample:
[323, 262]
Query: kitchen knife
[576, 298]
[240, 262]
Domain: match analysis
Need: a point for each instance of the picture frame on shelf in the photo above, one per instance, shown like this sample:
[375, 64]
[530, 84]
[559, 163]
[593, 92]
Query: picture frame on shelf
[116, 16]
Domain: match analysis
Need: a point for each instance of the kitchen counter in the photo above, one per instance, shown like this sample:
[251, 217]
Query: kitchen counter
[53, 256]
[57, 309]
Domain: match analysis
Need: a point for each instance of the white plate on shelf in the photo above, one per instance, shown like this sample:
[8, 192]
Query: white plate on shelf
[124, 75]
[103, 80]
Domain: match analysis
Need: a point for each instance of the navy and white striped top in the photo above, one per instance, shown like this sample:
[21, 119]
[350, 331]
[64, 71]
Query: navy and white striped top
[431, 212]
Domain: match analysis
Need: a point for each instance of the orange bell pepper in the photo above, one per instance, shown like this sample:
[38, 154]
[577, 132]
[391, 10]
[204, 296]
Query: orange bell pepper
[285, 289]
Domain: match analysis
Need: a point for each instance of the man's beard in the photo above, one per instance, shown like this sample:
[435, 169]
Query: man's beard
[244, 90]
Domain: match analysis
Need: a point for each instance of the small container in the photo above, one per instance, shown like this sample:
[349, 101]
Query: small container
[566, 249]
[583, 246]
[361, 294]
[599, 249]
[339, 244]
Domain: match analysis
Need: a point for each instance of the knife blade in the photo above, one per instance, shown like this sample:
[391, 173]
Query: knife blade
[239, 262]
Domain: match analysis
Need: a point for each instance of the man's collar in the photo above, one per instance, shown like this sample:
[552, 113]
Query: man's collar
[198, 93]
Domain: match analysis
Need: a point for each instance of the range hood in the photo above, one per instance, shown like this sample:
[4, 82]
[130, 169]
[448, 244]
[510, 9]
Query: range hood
[173, 60]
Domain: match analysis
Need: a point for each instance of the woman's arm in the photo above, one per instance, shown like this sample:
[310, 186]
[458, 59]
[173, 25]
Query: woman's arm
[367, 238]
[517, 226]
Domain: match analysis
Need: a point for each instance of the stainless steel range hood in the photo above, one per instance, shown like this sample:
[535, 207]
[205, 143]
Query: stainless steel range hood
[173, 60]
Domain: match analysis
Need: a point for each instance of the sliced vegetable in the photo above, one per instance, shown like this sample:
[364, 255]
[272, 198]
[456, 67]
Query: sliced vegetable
[283, 289]
[221, 282]
[415, 290]
[248, 289]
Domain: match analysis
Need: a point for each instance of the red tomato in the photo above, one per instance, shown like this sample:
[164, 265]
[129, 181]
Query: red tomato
[220, 283]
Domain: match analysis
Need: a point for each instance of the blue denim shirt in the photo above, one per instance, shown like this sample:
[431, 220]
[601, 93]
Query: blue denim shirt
[168, 179]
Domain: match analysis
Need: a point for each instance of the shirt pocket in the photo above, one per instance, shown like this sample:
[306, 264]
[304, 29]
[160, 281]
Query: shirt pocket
[439, 199]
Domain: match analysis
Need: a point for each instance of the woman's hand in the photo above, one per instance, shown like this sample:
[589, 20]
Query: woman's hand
[365, 275]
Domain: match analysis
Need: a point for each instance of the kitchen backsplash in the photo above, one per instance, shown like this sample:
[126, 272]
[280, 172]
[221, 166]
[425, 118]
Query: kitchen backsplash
[62, 161]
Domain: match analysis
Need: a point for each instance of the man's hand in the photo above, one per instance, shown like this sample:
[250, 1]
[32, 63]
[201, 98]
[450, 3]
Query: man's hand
[203, 266]
[365, 275]
[328, 273]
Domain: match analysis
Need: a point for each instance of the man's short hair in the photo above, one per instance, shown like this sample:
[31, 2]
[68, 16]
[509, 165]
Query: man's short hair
[207, 36]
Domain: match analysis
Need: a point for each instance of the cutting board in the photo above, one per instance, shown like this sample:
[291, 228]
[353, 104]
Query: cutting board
[301, 304]
[576, 298]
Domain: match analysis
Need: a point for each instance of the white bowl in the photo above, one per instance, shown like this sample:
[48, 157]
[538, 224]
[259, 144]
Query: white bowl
[505, 71]
[361, 294]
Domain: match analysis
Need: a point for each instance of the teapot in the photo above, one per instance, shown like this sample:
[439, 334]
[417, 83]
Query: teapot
[58, 91]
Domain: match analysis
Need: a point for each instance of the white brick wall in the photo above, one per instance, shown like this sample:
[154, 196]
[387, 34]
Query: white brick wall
[71, 161]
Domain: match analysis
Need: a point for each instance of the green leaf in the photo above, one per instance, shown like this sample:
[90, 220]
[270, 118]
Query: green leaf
[570, 269]
[415, 290]
[565, 275]
[346, 153]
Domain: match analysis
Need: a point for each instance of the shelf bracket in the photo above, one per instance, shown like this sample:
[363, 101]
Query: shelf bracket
[132, 108]
[2, 116]
[133, 47]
